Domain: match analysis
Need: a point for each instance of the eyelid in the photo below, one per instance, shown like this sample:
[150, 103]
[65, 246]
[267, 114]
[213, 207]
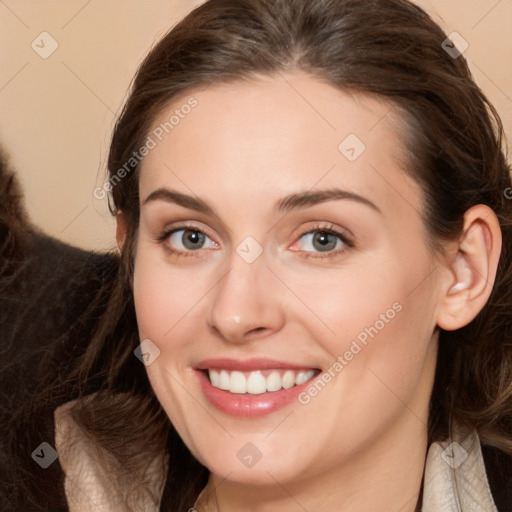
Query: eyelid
[347, 240]
[191, 225]
[168, 231]
[328, 227]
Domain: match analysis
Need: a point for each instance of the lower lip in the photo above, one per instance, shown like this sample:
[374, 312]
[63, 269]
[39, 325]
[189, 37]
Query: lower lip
[247, 405]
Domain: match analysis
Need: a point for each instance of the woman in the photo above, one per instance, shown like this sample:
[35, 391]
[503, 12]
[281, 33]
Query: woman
[315, 271]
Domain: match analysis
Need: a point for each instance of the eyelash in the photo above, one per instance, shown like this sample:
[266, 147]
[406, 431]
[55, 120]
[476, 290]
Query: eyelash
[348, 243]
[329, 229]
[162, 239]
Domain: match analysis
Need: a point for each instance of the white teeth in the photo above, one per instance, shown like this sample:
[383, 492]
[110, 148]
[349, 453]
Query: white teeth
[215, 378]
[274, 381]
[288, 379]
[255, 383]
[223, 380]
[299, 378]
[303, 376]
[309, 375]
[238, 383]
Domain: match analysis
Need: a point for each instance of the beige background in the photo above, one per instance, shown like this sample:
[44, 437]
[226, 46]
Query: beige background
[57, 113]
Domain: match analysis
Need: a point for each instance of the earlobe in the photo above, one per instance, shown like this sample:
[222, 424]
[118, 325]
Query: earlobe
[121, 229]
[473, 269]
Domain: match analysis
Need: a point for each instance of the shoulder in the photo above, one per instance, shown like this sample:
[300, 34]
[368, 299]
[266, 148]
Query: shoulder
[92, 472]
[461, 474]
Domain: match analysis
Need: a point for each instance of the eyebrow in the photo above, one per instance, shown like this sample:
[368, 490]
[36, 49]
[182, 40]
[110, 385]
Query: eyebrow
[311, 198]
[171, 196]
[291, 202]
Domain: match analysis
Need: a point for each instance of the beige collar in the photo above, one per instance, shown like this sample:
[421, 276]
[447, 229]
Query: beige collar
[90, 484]
[455, 478]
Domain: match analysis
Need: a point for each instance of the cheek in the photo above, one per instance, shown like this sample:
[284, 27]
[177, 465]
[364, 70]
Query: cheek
[164, 297]
[374, 320]
[381, 354]
[370, 296]
[166, 301]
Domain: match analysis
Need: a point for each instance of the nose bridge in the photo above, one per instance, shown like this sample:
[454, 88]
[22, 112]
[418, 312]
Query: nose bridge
[245, 303]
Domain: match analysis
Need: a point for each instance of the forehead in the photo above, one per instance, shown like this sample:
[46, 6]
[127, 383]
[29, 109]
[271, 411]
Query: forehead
[268, 136]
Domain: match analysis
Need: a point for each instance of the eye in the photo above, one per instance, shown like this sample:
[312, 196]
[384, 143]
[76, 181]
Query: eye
[188, 239]
[322, 240]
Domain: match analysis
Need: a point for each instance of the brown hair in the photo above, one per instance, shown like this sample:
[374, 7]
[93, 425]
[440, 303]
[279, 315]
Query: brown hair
[387, 48]
[51, 295]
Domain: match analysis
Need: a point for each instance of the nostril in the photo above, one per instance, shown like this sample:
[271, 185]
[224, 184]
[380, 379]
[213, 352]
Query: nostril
[256, 330]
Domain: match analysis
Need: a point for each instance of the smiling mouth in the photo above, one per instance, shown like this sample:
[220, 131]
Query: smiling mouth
[259, 381]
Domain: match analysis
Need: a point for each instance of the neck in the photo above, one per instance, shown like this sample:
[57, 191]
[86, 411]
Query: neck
[385, 476]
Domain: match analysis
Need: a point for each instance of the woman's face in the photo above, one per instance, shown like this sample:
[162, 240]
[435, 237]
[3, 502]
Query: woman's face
[280, 240]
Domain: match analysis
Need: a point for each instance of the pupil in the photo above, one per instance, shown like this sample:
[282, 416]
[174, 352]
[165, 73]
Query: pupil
[192, 239]
[327, 241]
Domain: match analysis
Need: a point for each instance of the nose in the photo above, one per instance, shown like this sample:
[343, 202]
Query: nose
[246, 304]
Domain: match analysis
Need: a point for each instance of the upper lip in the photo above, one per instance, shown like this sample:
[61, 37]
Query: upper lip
[249, 365]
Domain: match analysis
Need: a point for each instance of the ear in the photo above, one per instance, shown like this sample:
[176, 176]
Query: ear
[121, 229]
[471, 269]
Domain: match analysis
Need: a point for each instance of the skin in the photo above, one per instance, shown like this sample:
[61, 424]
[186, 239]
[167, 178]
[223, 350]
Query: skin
[360, 444]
